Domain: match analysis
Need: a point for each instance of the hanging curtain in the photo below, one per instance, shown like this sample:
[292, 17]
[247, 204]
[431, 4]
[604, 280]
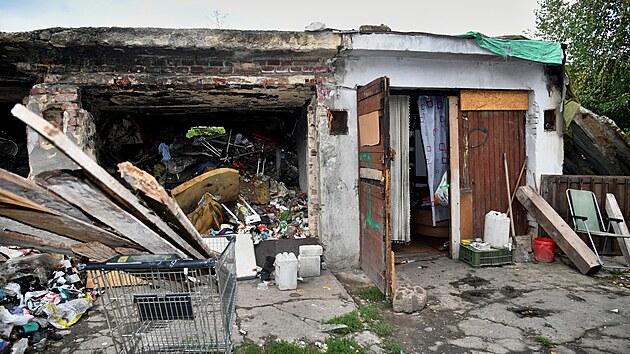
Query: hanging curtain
[434, 137]
[399, 139]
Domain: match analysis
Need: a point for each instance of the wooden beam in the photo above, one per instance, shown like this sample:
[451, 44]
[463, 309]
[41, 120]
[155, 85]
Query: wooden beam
[620, 227]
[222, 182]
[564, 236]
[95, 251]
[82, 194]
[12, 238]
[27, 189]
[454, 192]
[102, 179]
[159, 200]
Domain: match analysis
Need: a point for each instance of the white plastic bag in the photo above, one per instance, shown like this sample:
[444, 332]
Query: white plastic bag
[441, 194]
[68, 313]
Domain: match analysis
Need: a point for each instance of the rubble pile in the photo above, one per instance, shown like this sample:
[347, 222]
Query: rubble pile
[39, 295]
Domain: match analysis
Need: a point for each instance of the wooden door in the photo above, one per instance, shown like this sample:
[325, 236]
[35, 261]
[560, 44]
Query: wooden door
[374, 192]
[484, 137]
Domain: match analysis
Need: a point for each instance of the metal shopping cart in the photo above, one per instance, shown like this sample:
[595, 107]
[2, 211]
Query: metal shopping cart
[161, 304]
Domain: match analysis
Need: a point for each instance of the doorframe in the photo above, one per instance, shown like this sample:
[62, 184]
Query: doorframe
[454, 190]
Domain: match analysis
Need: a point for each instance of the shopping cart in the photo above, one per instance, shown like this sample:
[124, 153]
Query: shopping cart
[161, 304]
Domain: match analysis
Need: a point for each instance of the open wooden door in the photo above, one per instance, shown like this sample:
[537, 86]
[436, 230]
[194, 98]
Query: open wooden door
[374, 188]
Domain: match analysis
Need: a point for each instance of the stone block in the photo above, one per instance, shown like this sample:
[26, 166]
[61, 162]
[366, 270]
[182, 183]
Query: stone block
[309, 266]
[409, 298]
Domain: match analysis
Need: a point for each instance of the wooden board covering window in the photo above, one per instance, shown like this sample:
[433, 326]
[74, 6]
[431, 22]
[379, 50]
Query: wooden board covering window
[494, 100]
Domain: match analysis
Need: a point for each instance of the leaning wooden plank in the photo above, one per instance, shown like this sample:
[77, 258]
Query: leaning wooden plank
[82, 194]
[95, 251]
[15, 233]
[159, 200]
[620, 227]
[222, 182]
[568, 241]
[102, 179]
[57, 223]
[27, 189]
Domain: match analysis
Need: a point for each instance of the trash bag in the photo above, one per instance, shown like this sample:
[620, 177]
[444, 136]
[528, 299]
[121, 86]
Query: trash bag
[441, 194]
[68, 313]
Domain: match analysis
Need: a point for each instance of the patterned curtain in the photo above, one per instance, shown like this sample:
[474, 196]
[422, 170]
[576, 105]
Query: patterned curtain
[434, 137]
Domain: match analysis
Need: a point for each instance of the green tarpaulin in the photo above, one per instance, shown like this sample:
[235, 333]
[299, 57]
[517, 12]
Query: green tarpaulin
[540, 51]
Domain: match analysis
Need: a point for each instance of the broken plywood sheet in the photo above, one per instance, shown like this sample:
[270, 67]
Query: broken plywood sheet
[82, 194]
[222, 182]
[564, 236]
[255, 190]
[245, 257]
[107, 183]
[620, 227]
[158, 199]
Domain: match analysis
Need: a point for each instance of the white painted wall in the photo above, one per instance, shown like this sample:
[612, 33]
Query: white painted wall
[339, 229]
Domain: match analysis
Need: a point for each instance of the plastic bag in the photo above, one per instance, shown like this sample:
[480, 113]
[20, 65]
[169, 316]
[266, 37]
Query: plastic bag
[441, 194]
[68, 313]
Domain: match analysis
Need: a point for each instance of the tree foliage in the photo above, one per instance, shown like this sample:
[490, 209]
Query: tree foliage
[598, 55]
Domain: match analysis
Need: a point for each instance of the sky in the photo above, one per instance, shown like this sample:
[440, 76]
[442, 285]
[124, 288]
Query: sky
[491, 17]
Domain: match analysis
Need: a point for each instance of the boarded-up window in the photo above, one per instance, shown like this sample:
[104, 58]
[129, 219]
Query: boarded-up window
[369, 129]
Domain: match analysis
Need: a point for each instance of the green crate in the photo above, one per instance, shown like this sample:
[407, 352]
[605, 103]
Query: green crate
[477, 258]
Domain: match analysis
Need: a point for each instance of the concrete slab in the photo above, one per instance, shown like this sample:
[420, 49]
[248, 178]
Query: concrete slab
[289, 315]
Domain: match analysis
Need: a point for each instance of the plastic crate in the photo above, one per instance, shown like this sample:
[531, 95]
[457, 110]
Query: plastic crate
[477, 258]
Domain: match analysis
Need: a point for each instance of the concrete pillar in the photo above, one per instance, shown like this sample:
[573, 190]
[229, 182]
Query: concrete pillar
[61, 106]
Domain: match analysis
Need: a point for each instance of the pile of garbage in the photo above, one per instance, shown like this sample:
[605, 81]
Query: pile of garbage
[39, 294]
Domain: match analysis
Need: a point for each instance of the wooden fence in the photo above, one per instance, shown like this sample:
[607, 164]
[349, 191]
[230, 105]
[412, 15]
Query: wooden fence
[553, 189]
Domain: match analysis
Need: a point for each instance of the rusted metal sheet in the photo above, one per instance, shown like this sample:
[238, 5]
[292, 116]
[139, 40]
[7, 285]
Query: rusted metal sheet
[484, 137]
[374, 194]
[553, 190]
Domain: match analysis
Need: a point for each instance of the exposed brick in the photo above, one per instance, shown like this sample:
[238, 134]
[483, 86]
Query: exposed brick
[246, 71]
[65, 89]
[219, 81]
[282, 69]
[68, 97]
[123, 81]
[215, 63]
[188, 62]
[46, 61]
[296, 69]
[105, 69]
[69, 105]
[267, 69]
[201, 61]
[138, 69]
[212, 70]
[308, 69]
[38, 91]
[160, 62]
[71, 113]
[58, 69]
[196, 69]
[273, 82]
[154, 69]
[72, 121]
[273, 62]
[167, 70]
[321, 69]
[182, 69]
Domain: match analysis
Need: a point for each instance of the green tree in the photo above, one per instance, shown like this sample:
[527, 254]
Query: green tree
[597, 33]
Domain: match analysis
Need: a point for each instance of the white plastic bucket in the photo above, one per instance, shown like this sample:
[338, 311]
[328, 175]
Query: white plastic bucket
[496, 231]
[286, 271]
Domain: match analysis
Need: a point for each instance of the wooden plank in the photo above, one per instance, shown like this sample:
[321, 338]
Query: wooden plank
[564, 236]
[12, 238]
[102, 179]
[620, 227]
[454, 192]
[42, 237]
[371, 104]
[95, 251]
[467, 230]
[222, 182]
[494, 100]
[158, 199]
[85, 196]
[29, 190]
[371, 173]
[61, 224]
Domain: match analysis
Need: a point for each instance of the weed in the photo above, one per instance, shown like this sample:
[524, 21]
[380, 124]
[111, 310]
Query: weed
[284, 347]
[247, 347]
[351, 319]
[369, 313]
[392, 346]
[382, 329]
[343, 346]
[544, 341]
[371, 293]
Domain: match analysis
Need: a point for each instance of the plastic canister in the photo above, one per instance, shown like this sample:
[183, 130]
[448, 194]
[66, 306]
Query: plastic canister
[286, 271]
[544, 249]
[496, 230]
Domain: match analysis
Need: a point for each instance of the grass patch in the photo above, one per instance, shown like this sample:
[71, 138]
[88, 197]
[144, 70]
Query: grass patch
[544, 341]
[371, 293]
[392, 346]
[369, 313]
[381, 328]
[343, 346]
[351, 319]
[275, 347]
